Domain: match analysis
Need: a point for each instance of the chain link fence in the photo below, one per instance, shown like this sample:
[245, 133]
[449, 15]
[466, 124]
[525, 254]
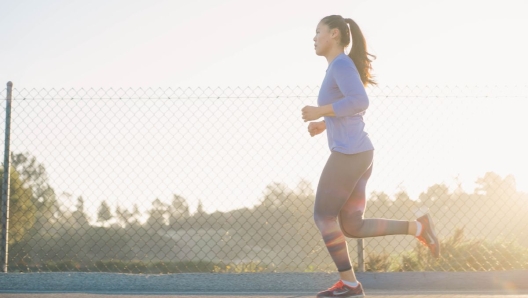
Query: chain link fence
[223, 179]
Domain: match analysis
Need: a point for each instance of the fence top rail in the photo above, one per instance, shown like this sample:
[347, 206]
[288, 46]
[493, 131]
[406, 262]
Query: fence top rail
[267, 92]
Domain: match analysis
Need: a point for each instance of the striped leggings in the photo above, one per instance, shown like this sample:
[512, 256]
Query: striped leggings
[340, 204]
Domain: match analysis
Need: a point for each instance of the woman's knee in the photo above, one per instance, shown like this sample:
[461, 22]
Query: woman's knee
[351, 224]
[319, 220]
[323, 222]
[326, 211]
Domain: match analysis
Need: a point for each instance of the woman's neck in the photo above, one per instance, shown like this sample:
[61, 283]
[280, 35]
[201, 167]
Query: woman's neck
[333, 54]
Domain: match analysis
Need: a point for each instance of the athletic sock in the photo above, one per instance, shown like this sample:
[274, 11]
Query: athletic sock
[418, 228]
[350, 284]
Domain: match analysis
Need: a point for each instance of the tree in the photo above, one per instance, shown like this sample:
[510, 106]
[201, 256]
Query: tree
[136, 214]
[403, 206]
[179, 207]
[276, 216]
[104, 213]
[402, 199]
[200, 210]
[275, 195]
[493, 185]
[35, 177]
[158, 215]
[304, 197]
[80, 217]
[22, 211]
[380, 198]
[436, 193]
[79, 210]
[179, 211]
[199, 217]
[123, 216]
[379, 205]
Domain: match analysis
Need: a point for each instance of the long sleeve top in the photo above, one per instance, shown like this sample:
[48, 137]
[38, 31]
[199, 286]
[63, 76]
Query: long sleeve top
[342, 87]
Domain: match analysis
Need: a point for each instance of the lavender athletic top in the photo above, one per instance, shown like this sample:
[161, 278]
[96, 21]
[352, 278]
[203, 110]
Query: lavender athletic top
[342, 87]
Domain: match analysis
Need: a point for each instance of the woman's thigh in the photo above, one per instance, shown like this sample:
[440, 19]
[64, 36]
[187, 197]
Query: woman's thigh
[357, 201]
[338, 181]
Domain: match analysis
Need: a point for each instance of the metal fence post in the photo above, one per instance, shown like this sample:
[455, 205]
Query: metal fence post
[5, 183]
[361, 256]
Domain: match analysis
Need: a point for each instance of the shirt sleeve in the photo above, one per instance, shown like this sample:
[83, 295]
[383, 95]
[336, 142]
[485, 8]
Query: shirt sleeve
[355, 99]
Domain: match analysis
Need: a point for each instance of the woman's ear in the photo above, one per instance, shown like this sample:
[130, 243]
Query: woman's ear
[333, 32]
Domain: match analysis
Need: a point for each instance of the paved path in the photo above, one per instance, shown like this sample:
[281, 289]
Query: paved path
[394, 285]
[373, 294]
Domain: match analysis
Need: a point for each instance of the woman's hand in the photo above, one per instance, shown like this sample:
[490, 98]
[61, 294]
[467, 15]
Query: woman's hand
[315, 128]
[310, 113]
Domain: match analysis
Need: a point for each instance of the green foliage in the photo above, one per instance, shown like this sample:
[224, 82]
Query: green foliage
[104, 213]
[21, 208]
[156, 267]
[158, 215]
[461, 254]
[378, 262]
[279, 235]
[458, 254]
[34, 176]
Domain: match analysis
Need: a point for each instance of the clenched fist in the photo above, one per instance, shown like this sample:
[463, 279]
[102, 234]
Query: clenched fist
[310, 113]
[315, 128]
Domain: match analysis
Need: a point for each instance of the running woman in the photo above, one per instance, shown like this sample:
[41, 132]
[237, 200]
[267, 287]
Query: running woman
[340, 198]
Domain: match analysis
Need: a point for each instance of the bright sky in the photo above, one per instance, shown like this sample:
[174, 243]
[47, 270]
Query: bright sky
[124, 43]
[130, 43]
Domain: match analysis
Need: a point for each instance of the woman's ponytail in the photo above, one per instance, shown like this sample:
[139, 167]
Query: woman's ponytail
[359, 53]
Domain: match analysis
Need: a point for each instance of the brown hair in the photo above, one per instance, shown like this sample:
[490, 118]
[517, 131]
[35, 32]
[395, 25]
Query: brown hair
[358, 53]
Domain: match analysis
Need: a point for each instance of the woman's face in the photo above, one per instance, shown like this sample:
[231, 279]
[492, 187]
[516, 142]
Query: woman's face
[323, 39]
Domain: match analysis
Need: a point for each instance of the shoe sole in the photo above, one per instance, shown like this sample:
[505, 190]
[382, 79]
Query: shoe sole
[356, 296]
[362, 295]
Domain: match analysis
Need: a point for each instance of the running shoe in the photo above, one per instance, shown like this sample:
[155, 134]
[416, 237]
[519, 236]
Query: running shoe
[342, 290]
[428, 235]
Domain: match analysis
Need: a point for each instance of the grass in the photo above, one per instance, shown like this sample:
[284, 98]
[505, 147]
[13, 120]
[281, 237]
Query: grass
[141, 267]
[458, 254]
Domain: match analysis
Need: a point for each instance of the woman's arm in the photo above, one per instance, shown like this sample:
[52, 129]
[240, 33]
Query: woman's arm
[327, 110]
[355, 97]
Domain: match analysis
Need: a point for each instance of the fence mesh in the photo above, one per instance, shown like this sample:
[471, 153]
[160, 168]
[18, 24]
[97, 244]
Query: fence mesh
[223, 179]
